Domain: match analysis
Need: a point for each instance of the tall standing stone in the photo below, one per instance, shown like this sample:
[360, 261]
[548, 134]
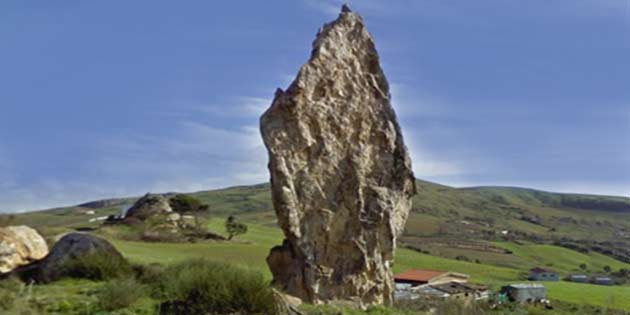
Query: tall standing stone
[341, 175]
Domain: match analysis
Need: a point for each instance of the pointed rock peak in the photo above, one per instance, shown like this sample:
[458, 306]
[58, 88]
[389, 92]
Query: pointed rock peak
[345, 8]
[344, 39]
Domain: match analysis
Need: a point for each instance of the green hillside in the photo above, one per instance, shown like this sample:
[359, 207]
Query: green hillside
[581, 222]
[494, 234]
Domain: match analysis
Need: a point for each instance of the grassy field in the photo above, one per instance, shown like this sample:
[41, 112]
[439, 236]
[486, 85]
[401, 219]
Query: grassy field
[579, 293]
[251, 249]
[561, 259]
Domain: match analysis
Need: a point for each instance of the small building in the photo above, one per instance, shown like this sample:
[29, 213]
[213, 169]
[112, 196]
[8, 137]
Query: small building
[542, 274]
[525, 293]
[431, 292]
[405, 295]
[462, 291]
[578, 278]
[418, 277]
[603, 280]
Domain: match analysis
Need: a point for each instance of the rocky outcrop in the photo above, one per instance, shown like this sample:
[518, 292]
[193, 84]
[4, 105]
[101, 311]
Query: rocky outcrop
[341, 175]
[68, 249]
[20, 245]
[148, 206]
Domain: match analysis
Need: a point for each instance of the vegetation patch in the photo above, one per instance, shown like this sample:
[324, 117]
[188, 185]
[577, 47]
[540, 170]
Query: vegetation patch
[197, 286]
[97, 266]
[119, 293]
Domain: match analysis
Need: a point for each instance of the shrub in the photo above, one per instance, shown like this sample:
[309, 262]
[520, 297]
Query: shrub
[186, 204]
[97, 266]
[233, 227]
[147, 274]
[199, 286]
[119, 293]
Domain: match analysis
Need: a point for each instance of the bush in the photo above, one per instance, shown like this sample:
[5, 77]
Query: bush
[97, 266]
[147, 274]
[233, 227]
[186, 204]
[118, 294]
[199, 286]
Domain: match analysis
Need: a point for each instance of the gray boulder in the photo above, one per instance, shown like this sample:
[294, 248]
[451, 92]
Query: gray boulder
[148, 206]
[68, 249]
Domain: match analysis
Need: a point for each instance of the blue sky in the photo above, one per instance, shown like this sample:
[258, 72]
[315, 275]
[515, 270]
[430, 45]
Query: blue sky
[117, 98]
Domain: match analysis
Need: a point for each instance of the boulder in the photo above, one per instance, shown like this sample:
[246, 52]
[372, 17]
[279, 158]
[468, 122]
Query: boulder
[341, 176]
[67, 249]
[148, 206]
[20, 245]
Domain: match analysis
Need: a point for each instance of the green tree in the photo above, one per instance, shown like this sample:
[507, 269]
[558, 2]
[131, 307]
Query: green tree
[583, 266]
[607, 268]
[234, 228]
[187, 204]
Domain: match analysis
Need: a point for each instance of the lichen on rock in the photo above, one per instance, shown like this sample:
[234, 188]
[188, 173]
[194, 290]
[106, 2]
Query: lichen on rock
[341, 175]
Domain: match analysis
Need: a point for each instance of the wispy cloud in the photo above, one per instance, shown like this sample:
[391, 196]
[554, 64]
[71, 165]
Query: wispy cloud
[195, 156]
[330, 7]
[192, 157]
[243, 107]
[412, 103]
[246, 106]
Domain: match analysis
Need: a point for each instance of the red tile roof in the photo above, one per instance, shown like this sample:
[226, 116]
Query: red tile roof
[418, 275]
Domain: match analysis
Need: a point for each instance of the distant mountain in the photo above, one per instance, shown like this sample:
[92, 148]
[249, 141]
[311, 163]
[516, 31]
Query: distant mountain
[577, 221]
[437, 209]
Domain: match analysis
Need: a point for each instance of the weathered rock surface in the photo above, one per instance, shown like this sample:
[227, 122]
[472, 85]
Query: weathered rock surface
[20, 245]
[148, 206]
[341, 175]
[69, 248]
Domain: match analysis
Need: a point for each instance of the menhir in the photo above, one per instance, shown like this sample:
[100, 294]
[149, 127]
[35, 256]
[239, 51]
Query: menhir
[341, 175]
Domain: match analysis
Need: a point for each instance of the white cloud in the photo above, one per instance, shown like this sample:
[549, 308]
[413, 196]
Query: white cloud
[331, 7]
[415, 102]
[410, 105]
[426, 165]
[240, 107]
[246, 106]
[196, 156]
